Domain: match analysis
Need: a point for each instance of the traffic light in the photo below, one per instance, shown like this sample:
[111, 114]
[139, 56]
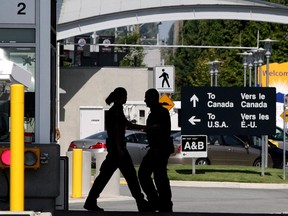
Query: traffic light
[31, 158]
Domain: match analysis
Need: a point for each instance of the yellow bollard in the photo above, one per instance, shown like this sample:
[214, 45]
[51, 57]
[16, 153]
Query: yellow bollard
[77, 155]
[17, 147]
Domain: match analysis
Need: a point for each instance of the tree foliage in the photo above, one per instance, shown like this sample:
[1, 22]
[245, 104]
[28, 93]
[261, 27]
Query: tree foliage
[191, 64]
[135, 55]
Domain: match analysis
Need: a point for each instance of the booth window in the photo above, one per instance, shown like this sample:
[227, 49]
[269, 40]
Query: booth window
[23, 57]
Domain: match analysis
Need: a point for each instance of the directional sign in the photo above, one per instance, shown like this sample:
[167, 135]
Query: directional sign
[194, 146]
[164, 79]
[166, 101]
[228, 110]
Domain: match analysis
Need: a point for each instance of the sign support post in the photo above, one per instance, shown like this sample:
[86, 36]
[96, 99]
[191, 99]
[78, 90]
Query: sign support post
[193, 166]
[263, 155]
[284, 136]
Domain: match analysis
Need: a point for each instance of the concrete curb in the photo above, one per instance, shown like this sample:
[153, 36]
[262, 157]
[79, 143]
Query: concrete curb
[223, 184]
[102, 199]
[191, 184]
[228, 185]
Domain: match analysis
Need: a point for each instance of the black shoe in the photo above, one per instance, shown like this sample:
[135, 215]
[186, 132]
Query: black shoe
[153, 205]
[144, 206]
[165, 210]
[93, 207]
[166, 207]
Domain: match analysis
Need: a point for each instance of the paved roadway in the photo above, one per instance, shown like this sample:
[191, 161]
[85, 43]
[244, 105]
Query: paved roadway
[199, 198]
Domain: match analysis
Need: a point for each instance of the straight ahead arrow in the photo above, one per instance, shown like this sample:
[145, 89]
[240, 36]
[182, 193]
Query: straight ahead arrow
[192, 120]
[194, 99]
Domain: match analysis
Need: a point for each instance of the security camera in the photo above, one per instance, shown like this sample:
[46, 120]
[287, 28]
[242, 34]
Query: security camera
[10, 73]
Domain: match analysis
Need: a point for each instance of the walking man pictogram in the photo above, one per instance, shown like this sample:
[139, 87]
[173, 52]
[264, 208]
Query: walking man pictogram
[165, 77]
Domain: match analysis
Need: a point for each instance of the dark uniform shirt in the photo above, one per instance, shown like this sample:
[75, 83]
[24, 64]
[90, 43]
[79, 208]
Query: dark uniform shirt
[158, 138]
[116, 125]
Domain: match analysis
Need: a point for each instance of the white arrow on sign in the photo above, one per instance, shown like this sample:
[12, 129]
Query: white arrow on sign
[194, 99]
[192, 120]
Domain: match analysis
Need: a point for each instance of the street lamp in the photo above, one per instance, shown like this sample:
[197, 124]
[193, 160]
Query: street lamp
[250, 65]
[216, 65]
[245, 64]
[260, 62]
[158, 32]
[268, 51]
[213, 70]
[94, 38]
[255, 63]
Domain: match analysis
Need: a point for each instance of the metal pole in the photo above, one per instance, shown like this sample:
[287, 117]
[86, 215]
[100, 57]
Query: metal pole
[267, 71]
[17, 148]
[260, 75]
[255, 75]
[266, 151]
[284, 139]
[167, 46]
[211, 79]
[211, 71]
[57, 89]
[245, 76]
[260, 61]
[216, 66]
[249, 63]
[250, 76]
[262, 139]
[266, 137]
[262, 156]
[193, 166]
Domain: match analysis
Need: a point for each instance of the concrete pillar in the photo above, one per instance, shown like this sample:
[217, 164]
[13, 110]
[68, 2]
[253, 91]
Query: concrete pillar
[113, 186]
[86, 172]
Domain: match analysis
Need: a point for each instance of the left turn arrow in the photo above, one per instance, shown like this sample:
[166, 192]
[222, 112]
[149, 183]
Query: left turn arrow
[193, 121]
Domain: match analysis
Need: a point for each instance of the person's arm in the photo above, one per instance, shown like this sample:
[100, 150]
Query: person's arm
[142, 127]
[136, 126]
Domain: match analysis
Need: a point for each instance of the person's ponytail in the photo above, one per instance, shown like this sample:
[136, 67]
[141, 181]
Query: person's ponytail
[115, 95]
[110, 98]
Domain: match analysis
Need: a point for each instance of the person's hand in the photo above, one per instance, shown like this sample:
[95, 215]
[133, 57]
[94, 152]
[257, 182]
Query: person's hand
[58, 135]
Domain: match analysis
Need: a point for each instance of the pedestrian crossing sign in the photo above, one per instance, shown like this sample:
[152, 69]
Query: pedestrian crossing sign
[164, 79]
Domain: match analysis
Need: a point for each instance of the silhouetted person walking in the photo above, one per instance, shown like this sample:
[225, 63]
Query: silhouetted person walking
[155, 161]
[165, 78]
[118, 156]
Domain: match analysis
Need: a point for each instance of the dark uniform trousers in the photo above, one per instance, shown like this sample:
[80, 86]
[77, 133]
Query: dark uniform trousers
[156, 162]
[108, 167]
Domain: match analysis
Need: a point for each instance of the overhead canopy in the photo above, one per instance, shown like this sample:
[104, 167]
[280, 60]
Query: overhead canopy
[81, 17]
